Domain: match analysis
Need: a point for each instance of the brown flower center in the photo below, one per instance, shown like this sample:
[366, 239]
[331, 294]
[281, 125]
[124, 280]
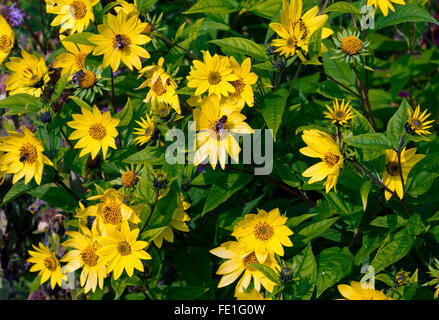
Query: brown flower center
[51, 263]
[112, 213]
[89, 256]
[291, 42]
[263, 231]
[351, 45]
[158, 87]
[129, 179]
[124, 248]
[214, 78]
[78, 9]
[97, 131]
[331, 159]
[5, 42]
[87, 80]
[121, 41]
[392, 168]
[28, 153]
[238, 85]
[417, 124]
[251, 258]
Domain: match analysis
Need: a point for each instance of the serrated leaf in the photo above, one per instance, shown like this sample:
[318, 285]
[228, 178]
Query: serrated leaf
[273, 108]
[20, 103]
[242, 46]
[396, 126]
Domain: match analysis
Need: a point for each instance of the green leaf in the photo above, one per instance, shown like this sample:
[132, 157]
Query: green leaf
[273, 108]
[20, 103]
[314, 230]
[81, 103]
[423, 174]
[360, 125]
[407, 13]
[374, 141]
[315, 44]
[125, 115]
[150, 155]
[364, 191]
[395, 247]
[119, 286]
[80, 38]
[223, 189]
[214, 6]
[340, 71]
[59, 88]
[294, 221]
[20, 188]
[266, 271]
[179, 293]
[391, 221]
[145, 5]
[242, 46]
[342, 6]
[57, 197]
[396, 126]
[333, 264]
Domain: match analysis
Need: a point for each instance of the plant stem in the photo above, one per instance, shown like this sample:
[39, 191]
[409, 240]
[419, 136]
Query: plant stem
[113, 96]
[171, 44]
[293, 82]
[26, 23]
[343, 86]
[152, 211]
[59, 182]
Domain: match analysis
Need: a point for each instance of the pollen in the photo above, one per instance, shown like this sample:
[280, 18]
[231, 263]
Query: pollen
[112, 213]
[392, 168]
[97, 131]
[28, 153]
[78, 9]
[351, 45]
[158, 87]
[87, 80]
[5, 42]
[129, 179]
[331, 159]
[251, 258]
[238, 85]
[124, 248]
[263, 231]
[51, 263]
[89, 256]
[214, 78]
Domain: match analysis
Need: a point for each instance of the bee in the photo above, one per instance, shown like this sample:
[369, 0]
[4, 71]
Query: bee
[121, 42]
[78, 74]
[40, 83]
[24, 157]
[220, 125]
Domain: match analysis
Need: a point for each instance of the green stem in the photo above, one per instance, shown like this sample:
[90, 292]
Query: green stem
[152, 211]
[293, 82]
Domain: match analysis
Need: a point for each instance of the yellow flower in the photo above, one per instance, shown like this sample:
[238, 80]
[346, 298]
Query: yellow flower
[238, 258]
[130, 9]
[29, 75]
[85, 215]
[178, 222]
[120, 39]
[95, 131]
[392, 174]
[84, 256]
[384, 5]
[23, 156]
[47, 264]
[217, 122]
[162, 86]
[299, 27]
[291, 39]
[356, 292]
[74, 15]
[213, 74]
[321, 145]
[145, 131]
[264, 233]
[7, 38]
[112, 210]
[243, 90]
[74, 59]
[339, 114]
[121, 251]
[417, 122]
[252, 295]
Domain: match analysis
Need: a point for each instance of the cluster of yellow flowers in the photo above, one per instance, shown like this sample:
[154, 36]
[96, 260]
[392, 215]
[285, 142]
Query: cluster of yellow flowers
[259, 237]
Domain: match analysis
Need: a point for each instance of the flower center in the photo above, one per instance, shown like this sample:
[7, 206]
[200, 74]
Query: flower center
[28, 153]
[219, 126]
[51, 263]
[124, 248]
[78, 9]
[214, 77]
[97, 131]
[87, 80]
[158, 87]
[129, 179]
[291, 42]
[121, 41]
[251, 258]
[112, 213]
[263, 231]
[417, 123]
[238, 85]
[339, 115]
[331, 159]
[89, 256]
[393, 168]
[351, 45]
[5, 42]
[80, 60]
